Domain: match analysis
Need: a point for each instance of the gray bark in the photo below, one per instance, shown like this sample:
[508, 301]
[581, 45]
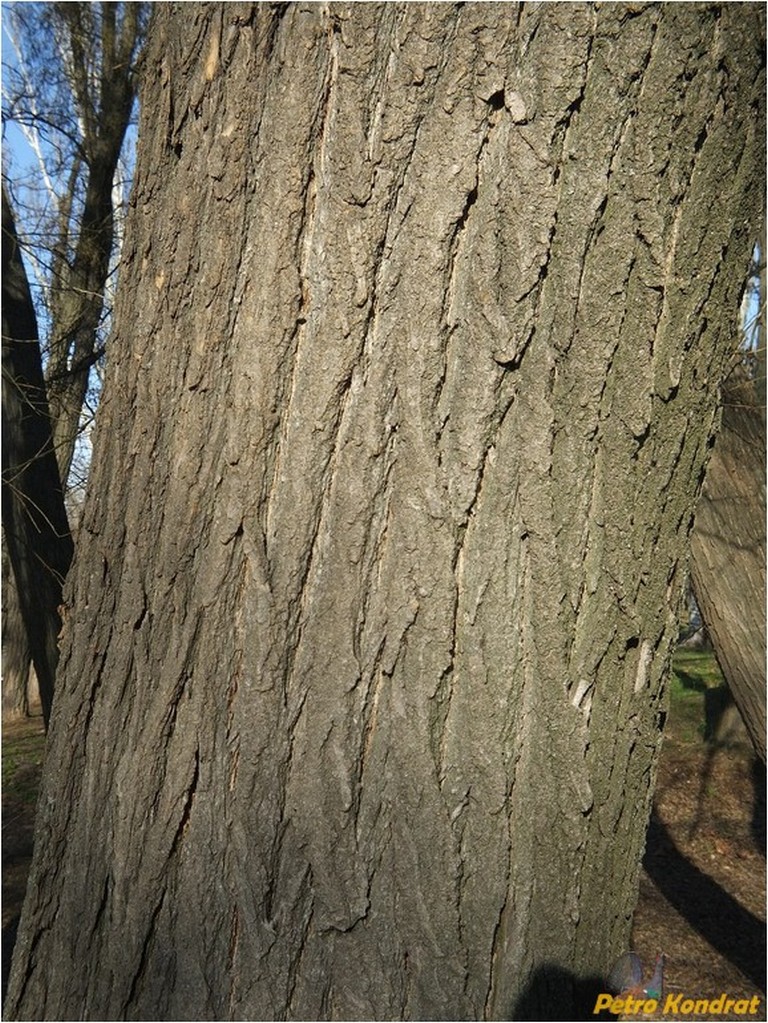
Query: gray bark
[415, 372]
[728, 552]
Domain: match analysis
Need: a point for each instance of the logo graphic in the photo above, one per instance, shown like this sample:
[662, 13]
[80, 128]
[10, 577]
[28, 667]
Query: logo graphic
[630, 994]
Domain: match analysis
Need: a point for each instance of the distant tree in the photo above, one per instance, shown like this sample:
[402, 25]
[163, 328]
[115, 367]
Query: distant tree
[728, 551]
[37, 537]
[421, 325]
[69, 87]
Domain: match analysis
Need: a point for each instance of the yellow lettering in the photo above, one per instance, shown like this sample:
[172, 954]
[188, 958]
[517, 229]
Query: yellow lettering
[676, 1004]
[672, 1004]
[603, 1002]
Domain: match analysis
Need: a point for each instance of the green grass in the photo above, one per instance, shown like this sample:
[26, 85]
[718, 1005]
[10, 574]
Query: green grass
[696, 670]
[698, 694]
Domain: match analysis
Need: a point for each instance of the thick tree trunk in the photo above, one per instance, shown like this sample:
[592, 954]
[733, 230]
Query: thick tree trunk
[418, 343]
[34, 519]
[728, 553]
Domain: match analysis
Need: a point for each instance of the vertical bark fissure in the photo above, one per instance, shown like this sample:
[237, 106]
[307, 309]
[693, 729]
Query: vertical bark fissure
[144, 956]
[232, 961]
[296, 958]
[460, 229]
[294, 349]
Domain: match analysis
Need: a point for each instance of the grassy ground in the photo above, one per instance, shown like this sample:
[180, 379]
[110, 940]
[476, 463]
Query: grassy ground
[701, 707]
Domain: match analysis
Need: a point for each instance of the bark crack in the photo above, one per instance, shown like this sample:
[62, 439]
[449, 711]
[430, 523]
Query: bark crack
[341, 397]
[300, 946]
[187, 808]
[232, 953]
[144, 955]
[304, 244]
[498, 935]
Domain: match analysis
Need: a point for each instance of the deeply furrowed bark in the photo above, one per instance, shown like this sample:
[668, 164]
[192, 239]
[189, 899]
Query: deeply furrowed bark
[416, 367]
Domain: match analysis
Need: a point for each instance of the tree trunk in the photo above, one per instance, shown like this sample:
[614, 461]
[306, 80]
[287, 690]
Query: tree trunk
[416, 361]
[16, 656]
[21, 696]
[728, 552]
[34, 518]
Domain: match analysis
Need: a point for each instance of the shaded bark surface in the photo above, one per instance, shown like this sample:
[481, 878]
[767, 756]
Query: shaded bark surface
[34, 519]
[728, 552]
[414, 378]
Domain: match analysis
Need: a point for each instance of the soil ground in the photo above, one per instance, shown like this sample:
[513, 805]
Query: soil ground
[702, 892]
[703, 888]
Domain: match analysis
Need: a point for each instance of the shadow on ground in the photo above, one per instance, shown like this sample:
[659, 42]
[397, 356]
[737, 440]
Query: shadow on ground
[737, 934]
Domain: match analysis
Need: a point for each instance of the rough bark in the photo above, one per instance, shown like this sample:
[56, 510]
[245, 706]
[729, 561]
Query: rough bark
[34, 519]
[728, 552]
[415, 373]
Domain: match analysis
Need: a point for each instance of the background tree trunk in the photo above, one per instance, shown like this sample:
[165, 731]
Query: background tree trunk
[21, 696]
[34, 519]
[728, 552]
[16, 657]
[418, 339]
